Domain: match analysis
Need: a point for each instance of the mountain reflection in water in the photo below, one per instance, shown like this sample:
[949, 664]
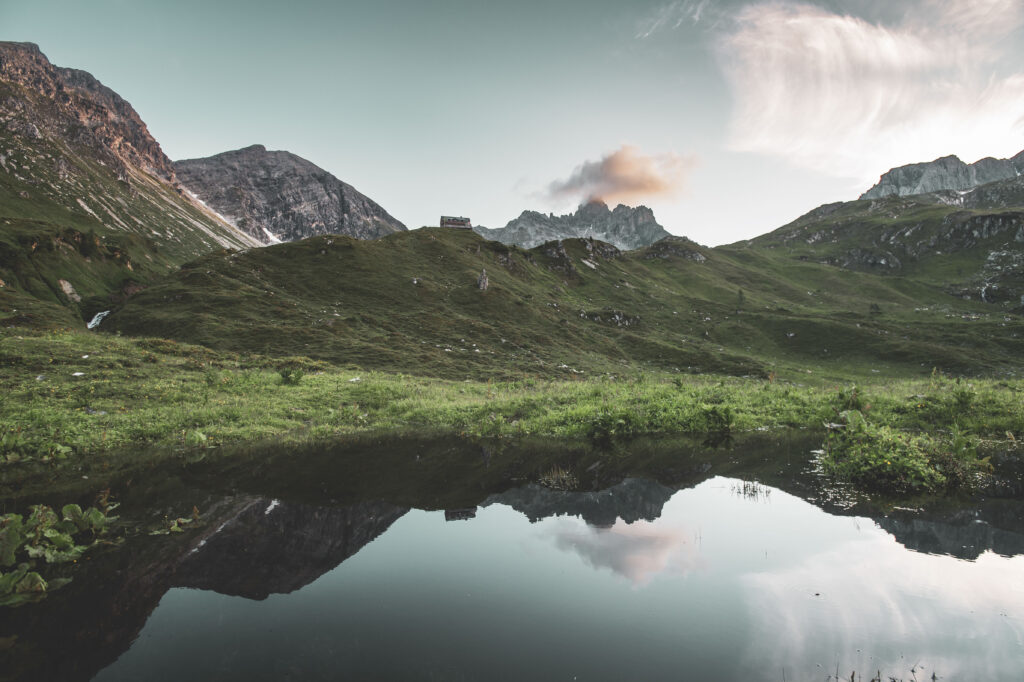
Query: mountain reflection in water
[727, 579]
[634, 582]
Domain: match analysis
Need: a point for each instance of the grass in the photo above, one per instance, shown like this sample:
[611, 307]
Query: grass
[135, 398]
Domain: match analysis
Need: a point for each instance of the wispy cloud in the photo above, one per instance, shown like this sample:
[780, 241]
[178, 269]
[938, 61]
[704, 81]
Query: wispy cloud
[677, 14]
[851, 97]
[625, 175]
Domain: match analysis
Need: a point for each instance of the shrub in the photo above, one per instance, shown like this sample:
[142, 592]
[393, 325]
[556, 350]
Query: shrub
[884, 459]
[609, 423]
[291, 376]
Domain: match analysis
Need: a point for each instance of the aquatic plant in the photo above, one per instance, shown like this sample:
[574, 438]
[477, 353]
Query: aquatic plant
[48, 538]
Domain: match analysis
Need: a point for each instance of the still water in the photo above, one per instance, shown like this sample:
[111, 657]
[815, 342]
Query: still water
[725, 580]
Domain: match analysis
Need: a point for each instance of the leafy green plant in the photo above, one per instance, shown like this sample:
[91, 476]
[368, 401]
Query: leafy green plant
[718, 420]
[609, 423]
[176, 525]
[16, 446]
[49, 538]
[879, 457]
[849, 398]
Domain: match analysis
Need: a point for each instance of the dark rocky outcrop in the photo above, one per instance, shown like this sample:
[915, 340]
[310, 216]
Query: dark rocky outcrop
[278, 196]
[948, 173]
[626, 227]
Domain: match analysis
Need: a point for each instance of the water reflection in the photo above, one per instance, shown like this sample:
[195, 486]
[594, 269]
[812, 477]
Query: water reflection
[638, 551]
[725, 580]
[697, 576]
[266, 546]
[631, 500]
[877, 605]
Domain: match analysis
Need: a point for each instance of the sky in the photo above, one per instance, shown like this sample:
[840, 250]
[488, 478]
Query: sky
[729, 118]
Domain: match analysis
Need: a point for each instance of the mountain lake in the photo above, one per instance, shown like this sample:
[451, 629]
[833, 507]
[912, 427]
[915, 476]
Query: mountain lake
[440, 559]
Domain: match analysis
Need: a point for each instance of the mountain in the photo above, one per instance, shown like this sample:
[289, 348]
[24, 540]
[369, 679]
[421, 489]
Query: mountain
[947, 173]
[624, 227]
[90, 208]
[276, 196]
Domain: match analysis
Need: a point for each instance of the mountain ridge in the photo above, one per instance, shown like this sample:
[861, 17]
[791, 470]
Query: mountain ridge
[624, 227]
[945, 173]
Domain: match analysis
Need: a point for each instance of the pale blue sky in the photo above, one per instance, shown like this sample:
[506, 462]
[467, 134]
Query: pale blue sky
[760, 111]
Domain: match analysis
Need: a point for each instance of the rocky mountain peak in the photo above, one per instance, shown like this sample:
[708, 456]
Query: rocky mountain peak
[595, 208]
[278, 196]
[104, 120]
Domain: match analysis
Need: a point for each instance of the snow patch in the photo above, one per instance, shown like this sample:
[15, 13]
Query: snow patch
[273, 238]
[274, 504]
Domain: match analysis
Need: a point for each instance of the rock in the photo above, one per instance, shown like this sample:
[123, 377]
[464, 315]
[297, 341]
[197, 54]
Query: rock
[278, 196]
[69, 290]
[625, 227]
[481, 281]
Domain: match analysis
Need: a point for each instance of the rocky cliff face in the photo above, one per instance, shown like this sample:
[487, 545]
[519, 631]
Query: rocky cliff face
[277, 196]
[625, 227]
[89, 113]
[947, 173]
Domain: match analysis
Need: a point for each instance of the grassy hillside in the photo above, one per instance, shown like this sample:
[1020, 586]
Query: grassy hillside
[410, 303]
[65, 214]
[971, 245]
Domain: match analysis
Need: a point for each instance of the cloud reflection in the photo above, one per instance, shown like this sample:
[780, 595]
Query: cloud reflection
[639, 551]
[871, 603]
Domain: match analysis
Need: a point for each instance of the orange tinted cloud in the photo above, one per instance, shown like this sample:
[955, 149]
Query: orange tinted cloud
[625, 176]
